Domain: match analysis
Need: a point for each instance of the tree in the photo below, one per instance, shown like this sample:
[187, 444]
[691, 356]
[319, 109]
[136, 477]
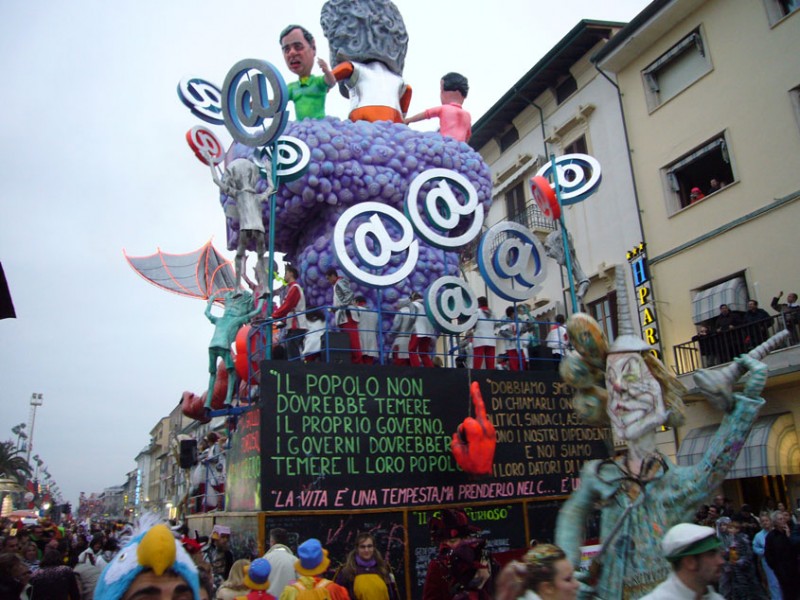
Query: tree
[12, 464]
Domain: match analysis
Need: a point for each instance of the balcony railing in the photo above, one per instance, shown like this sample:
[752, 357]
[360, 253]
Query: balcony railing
[288, 344]
[721, 347]
[532, 218]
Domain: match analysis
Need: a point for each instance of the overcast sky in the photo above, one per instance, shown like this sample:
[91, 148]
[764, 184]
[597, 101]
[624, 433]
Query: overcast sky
[94, 160]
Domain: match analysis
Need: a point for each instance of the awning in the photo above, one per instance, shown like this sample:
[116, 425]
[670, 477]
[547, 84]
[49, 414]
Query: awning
[770, 449]
[706, 303]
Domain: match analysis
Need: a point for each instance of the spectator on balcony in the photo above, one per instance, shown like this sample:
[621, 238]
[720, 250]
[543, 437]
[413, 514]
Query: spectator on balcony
[789, 311]
[757, 323]
[726, 323]
[706, 344]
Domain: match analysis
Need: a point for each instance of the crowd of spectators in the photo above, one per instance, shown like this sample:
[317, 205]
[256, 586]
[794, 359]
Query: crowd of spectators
[735, 332]
[761, 551]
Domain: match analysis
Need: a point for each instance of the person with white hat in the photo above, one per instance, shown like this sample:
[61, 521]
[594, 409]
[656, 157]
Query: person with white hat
[696, 558]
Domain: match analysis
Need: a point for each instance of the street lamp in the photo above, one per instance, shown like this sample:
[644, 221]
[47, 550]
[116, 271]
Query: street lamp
[36, 401]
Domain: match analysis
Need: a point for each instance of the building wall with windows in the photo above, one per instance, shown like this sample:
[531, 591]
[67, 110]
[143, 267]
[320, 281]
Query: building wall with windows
[734, 119]
[709, 91]
[563, 105]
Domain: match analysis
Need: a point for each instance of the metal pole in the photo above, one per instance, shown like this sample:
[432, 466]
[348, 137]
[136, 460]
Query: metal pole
[381, 353]
[564, 235]
[271, 251]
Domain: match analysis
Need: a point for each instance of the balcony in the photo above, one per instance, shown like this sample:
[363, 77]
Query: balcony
[713, 349]
[533, 219]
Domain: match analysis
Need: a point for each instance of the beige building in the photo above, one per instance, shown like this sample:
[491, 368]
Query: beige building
[563, 105]
[711, 94]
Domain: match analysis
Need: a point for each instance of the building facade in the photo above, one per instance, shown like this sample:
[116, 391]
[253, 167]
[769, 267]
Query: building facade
[563, 105]
[711, 99]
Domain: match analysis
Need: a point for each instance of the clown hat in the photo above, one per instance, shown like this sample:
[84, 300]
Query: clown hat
[312, 558]
[256, 574]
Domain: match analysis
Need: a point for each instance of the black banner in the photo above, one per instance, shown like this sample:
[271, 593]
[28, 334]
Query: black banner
[338, 532]
[340, 437]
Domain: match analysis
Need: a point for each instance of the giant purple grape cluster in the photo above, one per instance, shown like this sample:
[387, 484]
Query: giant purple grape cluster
[354, 162]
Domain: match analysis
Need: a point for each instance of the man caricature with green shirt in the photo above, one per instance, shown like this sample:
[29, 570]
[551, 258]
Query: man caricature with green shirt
[309, 91]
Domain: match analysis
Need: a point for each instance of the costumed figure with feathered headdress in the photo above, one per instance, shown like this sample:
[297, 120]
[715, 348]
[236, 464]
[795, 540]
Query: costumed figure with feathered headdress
[153, 559]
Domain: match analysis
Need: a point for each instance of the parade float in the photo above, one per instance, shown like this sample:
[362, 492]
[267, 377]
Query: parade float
[329, 449]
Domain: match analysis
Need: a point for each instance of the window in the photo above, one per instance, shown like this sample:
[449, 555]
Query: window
[508, 138]
[604, 312]
[778, 9]
[698, 169]
[566, 88]
[578, 146]
[515, 205]
[794, 95]
[676, 69]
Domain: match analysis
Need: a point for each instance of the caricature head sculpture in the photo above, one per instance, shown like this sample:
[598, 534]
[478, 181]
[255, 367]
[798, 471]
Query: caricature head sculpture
[640, 395]
[453, 82]
[299, 49]
[238, 303]
[364, 31]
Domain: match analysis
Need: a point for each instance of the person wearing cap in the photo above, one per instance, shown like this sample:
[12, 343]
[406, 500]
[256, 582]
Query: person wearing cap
[312, 562]
[219, 554]
[152, 565]
[256, 578]
[695, 195]
[642, 492]
[456, 537]
[696, 559]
